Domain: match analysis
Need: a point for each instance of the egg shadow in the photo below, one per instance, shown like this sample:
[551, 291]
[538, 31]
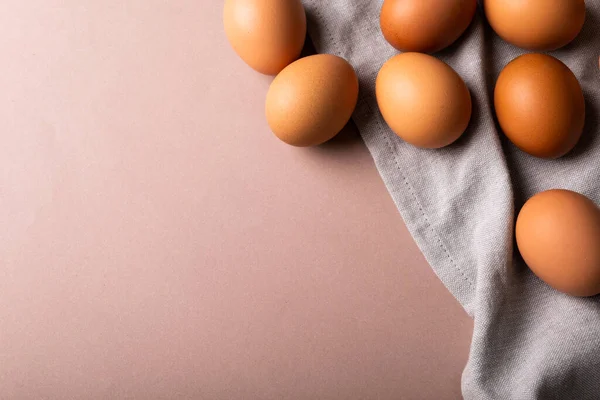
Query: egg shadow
[589, 138]
[349, 136]
[314, 31]
[345, 150]
[309, 47]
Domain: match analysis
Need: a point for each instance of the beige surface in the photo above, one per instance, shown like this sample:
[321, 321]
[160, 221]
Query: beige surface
[157, 242]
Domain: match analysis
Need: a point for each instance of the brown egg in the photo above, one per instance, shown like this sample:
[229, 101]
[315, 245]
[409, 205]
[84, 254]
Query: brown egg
[540, 105]
[423, 100]
[541, 25]
[558, 235]
[425, 26]
[267, 34]
[312, 99]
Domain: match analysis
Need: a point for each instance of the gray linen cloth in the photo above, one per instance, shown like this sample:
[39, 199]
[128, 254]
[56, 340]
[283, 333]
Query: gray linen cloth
[529, 341]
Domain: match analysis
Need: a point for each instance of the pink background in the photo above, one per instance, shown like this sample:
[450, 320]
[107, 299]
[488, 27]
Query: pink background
[158, 242]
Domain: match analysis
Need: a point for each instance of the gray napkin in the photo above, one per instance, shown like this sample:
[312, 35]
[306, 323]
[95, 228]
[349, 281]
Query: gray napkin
[529, 342]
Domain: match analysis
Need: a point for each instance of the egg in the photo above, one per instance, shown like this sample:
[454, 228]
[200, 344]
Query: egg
[311, 100]
[558, 236]
[425, 26]
[541, 25]
[540, 106]
[267, 34]
[423, 100]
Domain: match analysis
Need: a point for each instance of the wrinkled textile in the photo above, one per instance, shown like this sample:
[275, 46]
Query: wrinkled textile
[529, 341]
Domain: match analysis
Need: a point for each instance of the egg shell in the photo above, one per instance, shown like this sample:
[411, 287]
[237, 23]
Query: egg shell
[425, 26]
[423, 100]
[267, 34]
[540, 25]
[540, 105]
[311, 100]
[558, 235]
